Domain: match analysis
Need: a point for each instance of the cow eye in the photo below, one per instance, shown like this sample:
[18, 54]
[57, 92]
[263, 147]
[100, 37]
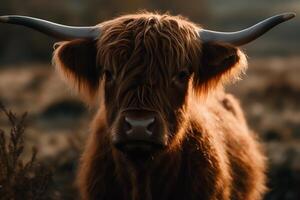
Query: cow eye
[108, 75]
[182, 76]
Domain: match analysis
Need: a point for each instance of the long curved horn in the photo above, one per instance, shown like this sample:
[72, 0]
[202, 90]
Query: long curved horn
[247, 35]
[57, 31]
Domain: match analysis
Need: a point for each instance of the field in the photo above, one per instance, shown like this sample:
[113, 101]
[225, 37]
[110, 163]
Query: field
[57, 121]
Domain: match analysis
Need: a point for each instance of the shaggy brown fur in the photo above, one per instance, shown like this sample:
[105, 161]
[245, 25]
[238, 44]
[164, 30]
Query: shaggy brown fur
[154, 61]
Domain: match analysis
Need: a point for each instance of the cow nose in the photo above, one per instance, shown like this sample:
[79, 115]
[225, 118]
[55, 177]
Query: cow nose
[139, 133]
[140, 126]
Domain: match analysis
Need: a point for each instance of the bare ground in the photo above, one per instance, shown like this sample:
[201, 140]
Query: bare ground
[58, 121]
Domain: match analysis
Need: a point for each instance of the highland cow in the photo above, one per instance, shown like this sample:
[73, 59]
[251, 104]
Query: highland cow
[165, 128]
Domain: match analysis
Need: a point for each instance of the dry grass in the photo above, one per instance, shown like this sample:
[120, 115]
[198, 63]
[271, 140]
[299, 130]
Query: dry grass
[19, 179]
[269, 94]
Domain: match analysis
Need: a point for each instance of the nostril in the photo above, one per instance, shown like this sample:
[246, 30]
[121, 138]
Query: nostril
[150, 127]
[127, 126]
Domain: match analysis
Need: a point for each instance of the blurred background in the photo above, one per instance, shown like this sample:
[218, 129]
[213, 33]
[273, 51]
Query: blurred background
[58, 120]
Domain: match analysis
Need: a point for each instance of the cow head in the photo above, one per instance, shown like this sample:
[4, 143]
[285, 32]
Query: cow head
[144, 68]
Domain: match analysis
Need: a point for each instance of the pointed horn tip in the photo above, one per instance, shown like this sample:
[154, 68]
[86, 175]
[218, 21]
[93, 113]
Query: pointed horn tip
[288, 16]
[4, 19]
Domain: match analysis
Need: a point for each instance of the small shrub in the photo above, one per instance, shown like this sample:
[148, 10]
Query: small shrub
[19, 179]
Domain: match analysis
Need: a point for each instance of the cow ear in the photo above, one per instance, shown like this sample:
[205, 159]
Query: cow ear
[220, 63]
[76, 62]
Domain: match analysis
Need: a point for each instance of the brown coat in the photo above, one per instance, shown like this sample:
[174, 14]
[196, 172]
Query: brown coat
[211, 154]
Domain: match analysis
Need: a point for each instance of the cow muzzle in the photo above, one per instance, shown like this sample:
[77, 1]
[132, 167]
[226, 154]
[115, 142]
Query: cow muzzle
[139, 133]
